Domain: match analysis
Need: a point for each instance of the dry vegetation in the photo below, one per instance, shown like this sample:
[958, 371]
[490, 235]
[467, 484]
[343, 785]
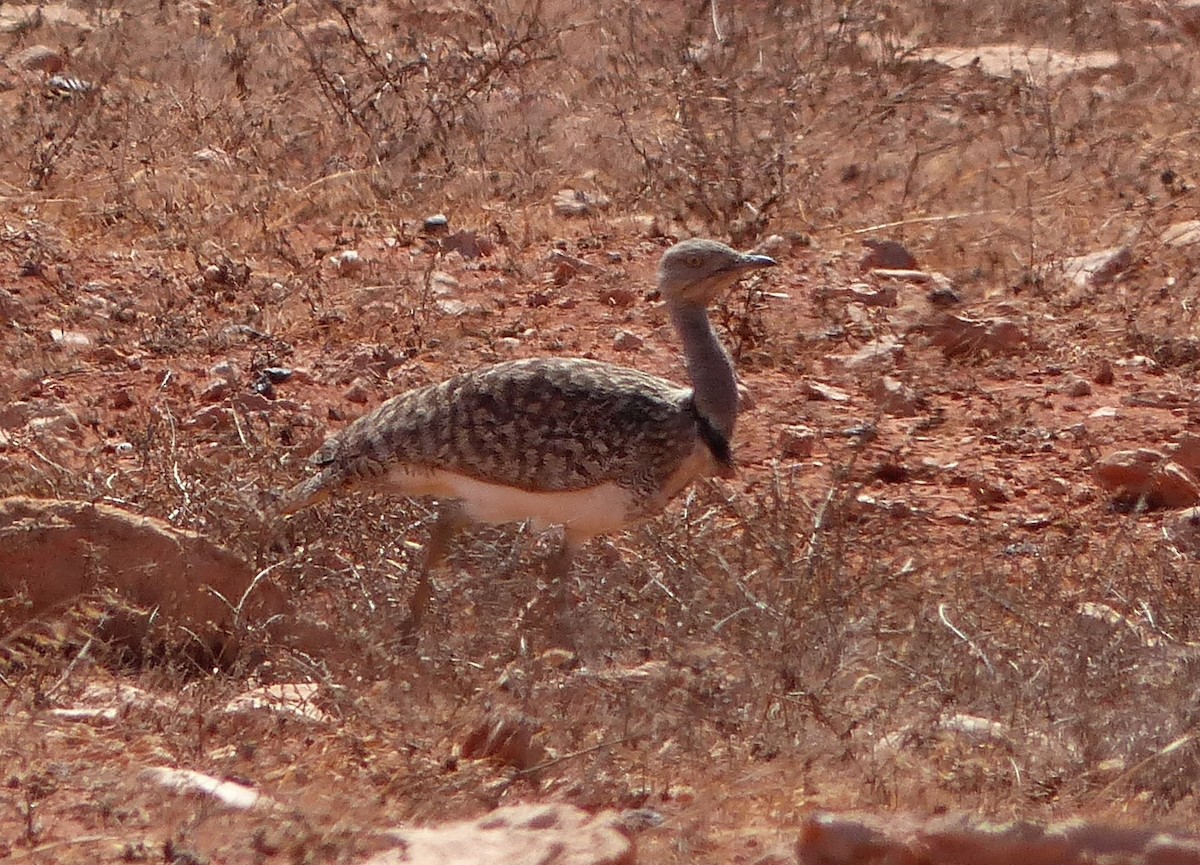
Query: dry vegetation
[898, 621]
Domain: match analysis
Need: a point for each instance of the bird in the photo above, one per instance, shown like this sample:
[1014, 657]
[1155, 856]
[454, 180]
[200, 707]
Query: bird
[588, 445]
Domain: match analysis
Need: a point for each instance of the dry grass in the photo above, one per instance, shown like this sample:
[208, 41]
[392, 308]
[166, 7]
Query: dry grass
[768, 646]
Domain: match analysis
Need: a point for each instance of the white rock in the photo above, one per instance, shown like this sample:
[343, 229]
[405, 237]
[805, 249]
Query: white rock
[236, 796]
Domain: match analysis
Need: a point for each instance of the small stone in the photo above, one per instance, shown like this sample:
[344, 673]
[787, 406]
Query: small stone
[797, 441]
[70, 338]
[212, 156]
[215, 391]
[1077, 387]
[277, 374]
[347, 262]
[620, 296]
[469, 244]
[1096, 268]
[125, 314]
[895, 398]
[38, 58]
[1183, 531]
[212, 417]
[627, 341]
[226, 370]
[576, 202]
[860, 292]
[883, 352]
[436, 225]
[943, 296]
[887, 254]
[959, 335]
[1104, 373]
[746, 400]
[358, 392]
[121, 399]
[814, 390]
[508, 343]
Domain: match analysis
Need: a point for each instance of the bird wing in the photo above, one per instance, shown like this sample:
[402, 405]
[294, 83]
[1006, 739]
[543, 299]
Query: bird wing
[551, 424]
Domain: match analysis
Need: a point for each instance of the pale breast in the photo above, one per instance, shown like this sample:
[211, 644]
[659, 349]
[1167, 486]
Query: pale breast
[584, 513]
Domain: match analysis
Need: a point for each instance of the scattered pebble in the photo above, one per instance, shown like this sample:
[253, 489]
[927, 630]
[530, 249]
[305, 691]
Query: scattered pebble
[576, 202]
[358, 392]
[347, 262]
[1077, 387]
[797, 441]
[627, 341]
[436, 225]
[887, 254]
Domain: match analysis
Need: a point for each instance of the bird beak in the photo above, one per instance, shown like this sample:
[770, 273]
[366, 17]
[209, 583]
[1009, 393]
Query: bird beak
[754, 262]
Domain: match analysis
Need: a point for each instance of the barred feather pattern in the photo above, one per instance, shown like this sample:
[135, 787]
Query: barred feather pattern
[544, 424]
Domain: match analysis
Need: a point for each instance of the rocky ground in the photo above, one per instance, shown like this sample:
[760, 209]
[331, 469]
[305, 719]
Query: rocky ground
[946, 611]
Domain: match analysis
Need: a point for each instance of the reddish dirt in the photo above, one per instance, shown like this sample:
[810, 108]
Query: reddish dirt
[936, 609]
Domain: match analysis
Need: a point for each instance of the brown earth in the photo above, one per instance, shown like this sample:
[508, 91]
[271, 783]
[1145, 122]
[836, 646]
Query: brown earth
[917, 596]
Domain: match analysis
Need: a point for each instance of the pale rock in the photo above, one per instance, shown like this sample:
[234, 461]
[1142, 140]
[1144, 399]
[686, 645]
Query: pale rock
[226, 371]
[72, 339]
[627, 341]
[797, 441]
[436, 225]
[1148, 475]
[236, 796]
[860, 292]
[212, 156]
[883, 352]
[814, 390]
[38, 58]
[292, 700]
[958, 335]
[1095, 268]
[1076, 387]
[54, 551]
[576, 202]
[1182, 529]
[1182, 233]
[895, 398]
[746, 399]
[347, 262]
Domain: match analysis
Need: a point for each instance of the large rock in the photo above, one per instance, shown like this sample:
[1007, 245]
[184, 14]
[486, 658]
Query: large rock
[1146, 476]
[517, 835]
[53, 553]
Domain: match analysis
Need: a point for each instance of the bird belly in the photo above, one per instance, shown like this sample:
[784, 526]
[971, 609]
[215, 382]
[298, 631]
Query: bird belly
[592, 511]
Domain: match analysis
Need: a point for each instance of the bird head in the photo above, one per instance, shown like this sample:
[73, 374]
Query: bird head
[697, 271]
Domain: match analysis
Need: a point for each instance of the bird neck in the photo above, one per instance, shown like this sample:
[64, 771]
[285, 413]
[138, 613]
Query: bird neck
[714, 384]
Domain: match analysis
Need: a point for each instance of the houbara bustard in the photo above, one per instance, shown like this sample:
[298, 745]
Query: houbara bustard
[566, 441]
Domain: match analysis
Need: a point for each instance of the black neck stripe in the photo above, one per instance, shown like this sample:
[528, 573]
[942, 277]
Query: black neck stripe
[712, 438]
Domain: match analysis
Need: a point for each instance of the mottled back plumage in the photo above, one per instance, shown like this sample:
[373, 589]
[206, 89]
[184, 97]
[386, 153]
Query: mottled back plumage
[548, 424]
